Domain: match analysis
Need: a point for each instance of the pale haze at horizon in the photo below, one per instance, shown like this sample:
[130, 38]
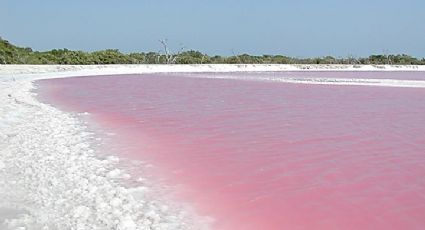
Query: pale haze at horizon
[303, 28]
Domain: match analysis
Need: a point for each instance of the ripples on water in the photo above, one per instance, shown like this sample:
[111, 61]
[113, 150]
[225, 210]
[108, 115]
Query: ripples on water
[267, 155]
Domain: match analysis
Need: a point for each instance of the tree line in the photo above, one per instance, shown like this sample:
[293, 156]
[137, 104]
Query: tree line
[11, 54]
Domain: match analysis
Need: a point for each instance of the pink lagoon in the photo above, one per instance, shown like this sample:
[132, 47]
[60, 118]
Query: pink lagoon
[254, 154]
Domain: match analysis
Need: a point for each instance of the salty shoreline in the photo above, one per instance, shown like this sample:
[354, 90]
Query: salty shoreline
[67, 70]
[50, 175]
[52, 178]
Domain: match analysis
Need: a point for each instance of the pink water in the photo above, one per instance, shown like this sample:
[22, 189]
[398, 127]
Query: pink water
[263, 155]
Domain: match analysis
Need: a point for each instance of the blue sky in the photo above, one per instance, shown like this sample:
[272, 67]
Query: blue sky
[296, 28]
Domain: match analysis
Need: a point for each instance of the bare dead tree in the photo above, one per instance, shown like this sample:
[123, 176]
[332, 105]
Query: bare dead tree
[170, 57]
[167, 54]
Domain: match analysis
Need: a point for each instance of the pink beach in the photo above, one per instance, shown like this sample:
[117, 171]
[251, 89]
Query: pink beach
[256, 154]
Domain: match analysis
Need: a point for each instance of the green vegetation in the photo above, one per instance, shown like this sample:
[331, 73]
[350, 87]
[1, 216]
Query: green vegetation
[11, 54]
